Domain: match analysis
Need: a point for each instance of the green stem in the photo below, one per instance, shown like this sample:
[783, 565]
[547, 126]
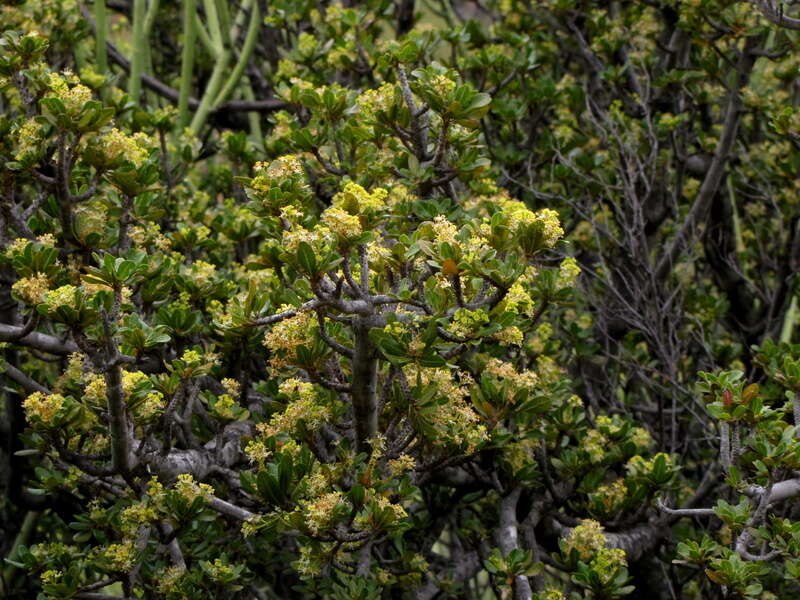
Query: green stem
[81, 53]
[253, 117]
[202, 34]
[150, 17]
[225, 21]
[789, 322]
[24, 535]
[212, 89]
[216, 83]
[138, 56]
[244, 57]
[101, 28]
[187, 60]
[213, 24]
[737, 225]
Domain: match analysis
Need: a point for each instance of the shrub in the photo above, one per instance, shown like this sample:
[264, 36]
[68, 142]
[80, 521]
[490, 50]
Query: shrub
[391, 300]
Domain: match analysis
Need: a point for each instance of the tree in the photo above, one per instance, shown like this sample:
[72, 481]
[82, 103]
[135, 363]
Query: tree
[390, 300]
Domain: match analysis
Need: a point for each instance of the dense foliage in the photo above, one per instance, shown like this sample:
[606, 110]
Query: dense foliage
[399, 299]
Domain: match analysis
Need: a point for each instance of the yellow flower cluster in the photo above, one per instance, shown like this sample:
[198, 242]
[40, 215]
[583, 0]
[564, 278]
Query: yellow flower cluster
[548, 370]
[223, 408]
[95, 390]
[42, 408]
[518, 300]
[395, 328]
[568, 272]
[320, 512]
[231, 386]
[510, 336]
[201, 273]
[610, 496]
[187, 487]
[121, 557]
[594, 444]
[466, 322]
[29, 140]
[442, 85]
[586, 539]
[62, 296]
[283, 166]
[606, 563]
[541, 335]
[219, 570]
[342, 223]
[148, 235]
[401, 464]
[506, 371]
[117, 145]
[638, 466]
[137, 514]
[608, 424]
[444, 231]
[152, 405]
[302, 408]
[73, 97]
[306, 43]
[32, 289]
[51, 576]
[169, 579]
[520, 454]
[356, 200]
[131, 379]
[641, 437]
[90, 217]
[250, 526]
[316, 237]
[286, 336]
[519, 215]
[16, 247]
[442, 378]
[399, 513]
[456, 423]
[91, 77]
[370, 102]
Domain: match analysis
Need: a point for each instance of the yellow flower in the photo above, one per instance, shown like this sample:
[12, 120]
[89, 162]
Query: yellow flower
[117, 145]
[587, 538]
[354, 199]
[444, 231]
[302, 409]
[231, 386]
[42, 408]
[32, 289]
[466, 322]
[73, 97]
[568, 273]
[130, 380]
[610, 496]
[187, 487]
[63, 296]
[29, 140]
[219, 570]
[285, 337]
[95, 390]
[373, 101]
[594, 444]
[51, 576]
[120, 556]
[320, 512]
[341, 223]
